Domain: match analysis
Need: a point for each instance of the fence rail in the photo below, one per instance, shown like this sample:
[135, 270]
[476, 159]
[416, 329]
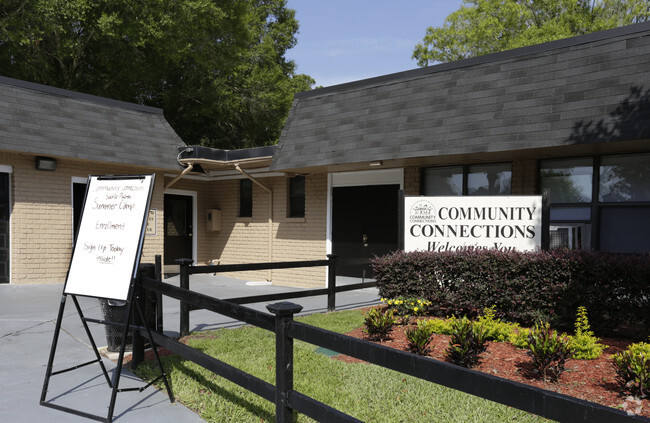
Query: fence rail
[187, 269]
[288, 401]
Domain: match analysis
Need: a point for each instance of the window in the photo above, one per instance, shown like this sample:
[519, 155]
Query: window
[297, 196]
[245, 198]
[568, 181]
[599, 202]
[492, 179]
[486, 179]
[624, 178]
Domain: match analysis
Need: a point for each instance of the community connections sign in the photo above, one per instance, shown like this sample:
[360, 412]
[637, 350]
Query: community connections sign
[505, 223]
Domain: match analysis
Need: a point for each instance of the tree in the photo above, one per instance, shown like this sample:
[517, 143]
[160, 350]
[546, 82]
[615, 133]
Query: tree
[216, 68]
[487, 26]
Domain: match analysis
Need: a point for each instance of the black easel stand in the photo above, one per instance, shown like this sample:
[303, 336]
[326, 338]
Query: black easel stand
[114, 384]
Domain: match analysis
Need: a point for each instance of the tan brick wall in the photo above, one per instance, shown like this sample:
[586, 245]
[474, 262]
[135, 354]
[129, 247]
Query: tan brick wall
[524, 177]
[41, 217]
[412, 181]
[41, 221]
[246, 240]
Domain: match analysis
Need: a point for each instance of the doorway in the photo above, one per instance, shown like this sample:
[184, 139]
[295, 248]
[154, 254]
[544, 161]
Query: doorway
[5, 205]
[179, 226]
[364, 225]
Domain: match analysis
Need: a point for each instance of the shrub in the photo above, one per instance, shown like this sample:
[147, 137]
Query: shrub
[495, 329]
[441, 326]
[519, 337]
[379, 323]
[548, 350]
[407, 307]
[418, 340]
[467, 343]
[584, 344]
[633, 368]
[525, 286]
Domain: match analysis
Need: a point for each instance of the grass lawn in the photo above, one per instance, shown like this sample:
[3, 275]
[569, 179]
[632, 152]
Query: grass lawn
[367, 392]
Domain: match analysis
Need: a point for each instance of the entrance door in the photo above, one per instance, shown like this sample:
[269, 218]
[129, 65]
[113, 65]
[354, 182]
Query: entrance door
[78, 196]
[4, 228]
[178, 228]
[364, 224]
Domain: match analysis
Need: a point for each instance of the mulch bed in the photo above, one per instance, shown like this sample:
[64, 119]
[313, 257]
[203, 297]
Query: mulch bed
[591, 380]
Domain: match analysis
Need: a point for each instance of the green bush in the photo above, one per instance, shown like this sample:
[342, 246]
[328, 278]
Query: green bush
[519, 337]
[435, 325]
[379, 323]
[495, 329]
[525, 286]
[584, 344]
[467, 343]
[419, 340]
[633, 368]
[407, 307]
[548, 350]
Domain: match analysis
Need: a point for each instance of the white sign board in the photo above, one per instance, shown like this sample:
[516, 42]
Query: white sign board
[110, 237]
[505, 223]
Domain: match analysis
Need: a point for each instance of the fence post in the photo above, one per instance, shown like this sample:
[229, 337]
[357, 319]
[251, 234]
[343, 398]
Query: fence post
[137, 355]
[331, 282]
[159, 297]
[284, 312]
[184, 275]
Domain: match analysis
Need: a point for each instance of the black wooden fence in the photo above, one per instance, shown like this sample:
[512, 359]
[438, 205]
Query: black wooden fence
[288, 401]
[186, 270]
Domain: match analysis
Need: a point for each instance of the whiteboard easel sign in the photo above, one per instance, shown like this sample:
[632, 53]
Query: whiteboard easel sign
[109, 242]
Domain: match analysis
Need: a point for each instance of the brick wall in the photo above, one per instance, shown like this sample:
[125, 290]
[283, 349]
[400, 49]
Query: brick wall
[524, 177]
[246, 240]
[41, 217]
[412, 184]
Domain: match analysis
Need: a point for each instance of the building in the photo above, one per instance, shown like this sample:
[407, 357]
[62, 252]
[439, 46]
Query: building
[570, 116]
[50, 141]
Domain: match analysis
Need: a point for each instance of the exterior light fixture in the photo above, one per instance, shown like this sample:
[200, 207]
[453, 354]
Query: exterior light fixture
[45, 163]
[376, 164]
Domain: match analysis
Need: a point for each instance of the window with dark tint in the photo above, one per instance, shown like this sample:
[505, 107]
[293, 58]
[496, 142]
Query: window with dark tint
[297, 196]
[603, 200]
[624, 178]
[484, 179]
[567, 180]
[245, 198]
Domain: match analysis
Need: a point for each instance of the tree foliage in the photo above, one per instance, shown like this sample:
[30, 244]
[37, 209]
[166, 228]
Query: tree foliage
[487, 26]
[217, 68]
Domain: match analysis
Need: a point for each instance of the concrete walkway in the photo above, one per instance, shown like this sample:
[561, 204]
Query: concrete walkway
[27, 319]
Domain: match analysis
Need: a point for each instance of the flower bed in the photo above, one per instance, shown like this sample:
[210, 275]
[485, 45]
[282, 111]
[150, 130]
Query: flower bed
[591, 380]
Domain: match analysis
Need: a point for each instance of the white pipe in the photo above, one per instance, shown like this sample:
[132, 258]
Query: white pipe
[176, 179]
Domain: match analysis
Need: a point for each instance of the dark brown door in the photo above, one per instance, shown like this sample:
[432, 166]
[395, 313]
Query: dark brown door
[4, 227]
[178, 227]
[364, 225]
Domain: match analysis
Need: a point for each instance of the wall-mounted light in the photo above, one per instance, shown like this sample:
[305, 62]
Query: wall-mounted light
[376, 164]
[45, 163]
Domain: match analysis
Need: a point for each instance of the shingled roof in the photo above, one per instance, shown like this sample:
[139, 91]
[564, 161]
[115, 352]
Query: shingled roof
[43, 120]
[587, 89]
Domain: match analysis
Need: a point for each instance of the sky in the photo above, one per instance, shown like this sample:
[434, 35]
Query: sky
[347, 40]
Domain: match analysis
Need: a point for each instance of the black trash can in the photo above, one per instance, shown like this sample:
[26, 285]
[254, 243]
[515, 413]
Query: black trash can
[117, 311]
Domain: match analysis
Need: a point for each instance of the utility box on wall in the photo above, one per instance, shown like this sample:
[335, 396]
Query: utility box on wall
[214, 220]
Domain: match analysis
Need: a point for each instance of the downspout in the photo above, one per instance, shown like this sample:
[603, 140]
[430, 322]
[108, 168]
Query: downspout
[176, 179]
[270, 221]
